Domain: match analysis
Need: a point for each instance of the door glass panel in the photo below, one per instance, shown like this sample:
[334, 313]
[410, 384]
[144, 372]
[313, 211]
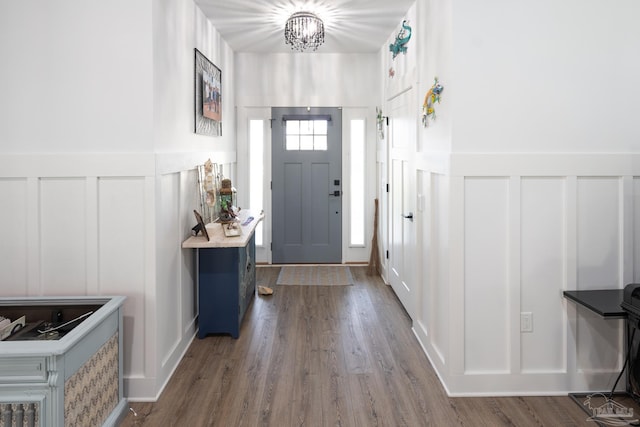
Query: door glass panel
[306, 135]
[293, 142]
[306, 142]
[320, 142]
[320, 127]
[306, 127]
[293, 127]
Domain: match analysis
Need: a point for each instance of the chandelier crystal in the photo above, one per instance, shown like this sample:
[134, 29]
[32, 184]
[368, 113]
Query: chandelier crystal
[304, 30]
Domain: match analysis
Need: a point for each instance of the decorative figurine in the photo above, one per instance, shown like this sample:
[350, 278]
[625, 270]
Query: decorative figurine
[401, 40]
[432, 96]
[227, 194]
[209, 184]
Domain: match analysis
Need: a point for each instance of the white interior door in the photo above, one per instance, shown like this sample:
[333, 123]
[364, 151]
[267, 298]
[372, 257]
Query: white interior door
[402, 209]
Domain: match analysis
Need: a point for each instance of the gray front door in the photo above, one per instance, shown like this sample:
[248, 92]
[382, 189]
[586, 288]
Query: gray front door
[307, 185]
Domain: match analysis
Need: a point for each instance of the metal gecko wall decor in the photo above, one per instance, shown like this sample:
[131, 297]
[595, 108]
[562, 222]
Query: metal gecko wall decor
[399, 46]
[432, 96]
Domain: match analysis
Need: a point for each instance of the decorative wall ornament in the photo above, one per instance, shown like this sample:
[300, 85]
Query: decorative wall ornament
[380, 122]
[432, 96]
[207, 96]
[401, 40]
[392, 72]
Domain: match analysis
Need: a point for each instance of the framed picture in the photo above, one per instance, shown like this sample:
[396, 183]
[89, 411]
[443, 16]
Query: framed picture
[207, 96]
[201, 224]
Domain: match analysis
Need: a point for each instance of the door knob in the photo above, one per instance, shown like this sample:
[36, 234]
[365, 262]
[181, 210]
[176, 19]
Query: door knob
[408, 216]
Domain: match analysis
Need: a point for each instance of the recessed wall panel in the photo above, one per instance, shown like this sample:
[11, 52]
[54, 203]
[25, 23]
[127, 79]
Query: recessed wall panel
[542, 272]
[13, 235]
[598, 225]
[168, 241]
[121, 261]
[63, 236]
[598, 256]
[486, 309]
[440, 263]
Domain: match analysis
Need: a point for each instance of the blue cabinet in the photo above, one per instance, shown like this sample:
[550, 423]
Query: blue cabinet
[226, 286]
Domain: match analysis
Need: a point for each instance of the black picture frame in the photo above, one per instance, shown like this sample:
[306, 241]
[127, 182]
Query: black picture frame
[205, 70]
[201, 224]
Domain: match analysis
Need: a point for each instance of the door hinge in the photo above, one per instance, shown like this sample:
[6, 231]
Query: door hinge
[271, 246]
[387, 187]
[270, 185]
[387, 254]
[387, 117]
[271, 123]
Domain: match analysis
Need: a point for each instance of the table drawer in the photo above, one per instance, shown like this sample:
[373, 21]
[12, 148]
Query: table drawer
[23, 369]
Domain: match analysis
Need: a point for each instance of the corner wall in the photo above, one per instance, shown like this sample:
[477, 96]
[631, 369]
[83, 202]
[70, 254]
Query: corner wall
[97, 158]
[526, 191]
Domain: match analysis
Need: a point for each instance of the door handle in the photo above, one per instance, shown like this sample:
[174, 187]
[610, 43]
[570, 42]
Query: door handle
[335, 193]
[408, 216]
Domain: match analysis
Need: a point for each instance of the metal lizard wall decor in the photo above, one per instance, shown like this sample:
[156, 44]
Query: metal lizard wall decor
[401, 40]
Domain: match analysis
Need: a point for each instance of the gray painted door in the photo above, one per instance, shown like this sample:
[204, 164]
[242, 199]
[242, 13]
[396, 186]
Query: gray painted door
[306, 185]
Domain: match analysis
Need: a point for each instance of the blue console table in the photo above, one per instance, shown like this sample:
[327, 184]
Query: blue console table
[226, 276]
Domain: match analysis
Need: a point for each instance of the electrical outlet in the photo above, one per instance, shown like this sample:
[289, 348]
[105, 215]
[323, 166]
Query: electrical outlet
[526, 321]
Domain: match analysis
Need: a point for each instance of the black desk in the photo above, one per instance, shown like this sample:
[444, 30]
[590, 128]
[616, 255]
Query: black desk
[605, 302]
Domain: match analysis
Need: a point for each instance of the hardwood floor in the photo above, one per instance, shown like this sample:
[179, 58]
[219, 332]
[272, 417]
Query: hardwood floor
[328, 356]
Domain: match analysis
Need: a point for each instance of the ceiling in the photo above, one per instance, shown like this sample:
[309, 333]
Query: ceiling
[351, 26]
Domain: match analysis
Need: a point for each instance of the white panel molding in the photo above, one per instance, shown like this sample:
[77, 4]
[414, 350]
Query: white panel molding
[91, 235]
[571, 271]
[573, 197]
[626, 209]
[514, 282]
[486, 268]
[545, 164]
[167, 163]
[456, 284]
[70, 165]
[33, 237]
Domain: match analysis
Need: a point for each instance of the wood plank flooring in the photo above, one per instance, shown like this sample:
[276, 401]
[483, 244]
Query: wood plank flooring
[328, 356]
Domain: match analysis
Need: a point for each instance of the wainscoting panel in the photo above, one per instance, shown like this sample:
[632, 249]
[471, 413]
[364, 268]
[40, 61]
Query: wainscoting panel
[542, 221]
[424, 311]
[109, 224]
[486, 288]
[168, 242]
[598, 257]
[439, 264]
[121, 259]
[13, 235]
[63, 237]
[507, 244]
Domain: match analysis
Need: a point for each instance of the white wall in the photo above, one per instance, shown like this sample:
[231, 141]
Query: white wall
[529, 177]
[65, 68]
[303, 80]
[546, 76]
[97, 158]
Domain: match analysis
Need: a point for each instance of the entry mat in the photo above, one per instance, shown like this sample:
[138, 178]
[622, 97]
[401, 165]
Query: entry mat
[315, 275]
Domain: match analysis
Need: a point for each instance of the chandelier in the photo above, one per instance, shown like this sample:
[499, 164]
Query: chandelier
[304, 30]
